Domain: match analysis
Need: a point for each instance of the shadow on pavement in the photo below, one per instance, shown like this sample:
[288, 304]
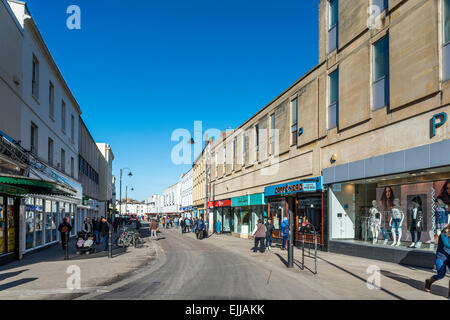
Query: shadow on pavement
[16, 283]
[11, 274]
[416, 284]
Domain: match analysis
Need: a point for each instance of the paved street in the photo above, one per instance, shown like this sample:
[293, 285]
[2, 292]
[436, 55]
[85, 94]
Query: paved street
[224, 267]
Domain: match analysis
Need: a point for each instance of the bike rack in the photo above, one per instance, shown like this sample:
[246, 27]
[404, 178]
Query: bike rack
[309, 229]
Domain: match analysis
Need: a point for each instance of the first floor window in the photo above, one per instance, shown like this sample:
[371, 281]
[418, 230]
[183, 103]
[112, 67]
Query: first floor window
[333, 106]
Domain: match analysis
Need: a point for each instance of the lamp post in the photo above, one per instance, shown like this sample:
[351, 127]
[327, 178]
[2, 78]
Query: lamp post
[126, 197]
[120, 209]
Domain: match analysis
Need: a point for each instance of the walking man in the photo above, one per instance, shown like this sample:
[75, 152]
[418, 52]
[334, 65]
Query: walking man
[104, 230]
[285, 233]
[187, 221]
[200, 227]
[98, 228]
[64, 229]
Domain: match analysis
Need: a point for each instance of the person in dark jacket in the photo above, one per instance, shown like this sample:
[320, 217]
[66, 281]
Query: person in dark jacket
[88, 226]
[270, 227]
[97, 230]
[104, 230]
[64, 229]
[260, 234]
[182, 225]
[200, 228]
[442, 259]
[285, 233]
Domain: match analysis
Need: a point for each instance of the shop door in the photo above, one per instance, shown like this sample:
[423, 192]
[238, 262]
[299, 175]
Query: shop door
[11, 225]
[226, 220]
[310, 210]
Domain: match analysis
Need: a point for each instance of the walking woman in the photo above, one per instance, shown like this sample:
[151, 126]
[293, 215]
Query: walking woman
[442, 259]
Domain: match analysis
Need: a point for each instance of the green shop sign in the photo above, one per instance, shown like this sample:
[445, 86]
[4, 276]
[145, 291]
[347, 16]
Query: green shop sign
[249, 200]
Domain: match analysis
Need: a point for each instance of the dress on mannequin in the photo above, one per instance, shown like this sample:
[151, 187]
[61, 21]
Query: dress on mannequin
[416, 216]
[375, 222]
[441, 215]
[396, 223]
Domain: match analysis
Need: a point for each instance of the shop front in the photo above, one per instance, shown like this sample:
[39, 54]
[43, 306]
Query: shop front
[221, 211]
[307, 201]
[395, 215]
[247, 210]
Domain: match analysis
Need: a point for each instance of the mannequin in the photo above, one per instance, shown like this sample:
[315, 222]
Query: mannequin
[375, 221]
[441, 215]
[416, 216]
[396, 222]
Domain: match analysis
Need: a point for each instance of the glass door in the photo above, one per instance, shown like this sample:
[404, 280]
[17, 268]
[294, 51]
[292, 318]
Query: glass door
[227, 220]
[29, 222]
[11, 225]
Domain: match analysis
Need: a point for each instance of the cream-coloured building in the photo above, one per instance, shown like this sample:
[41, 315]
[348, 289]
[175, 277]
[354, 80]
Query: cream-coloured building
[368, 123]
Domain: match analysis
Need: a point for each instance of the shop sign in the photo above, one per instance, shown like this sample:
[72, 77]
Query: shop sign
[437, 121]
[310, 185]
[249, 200]
[337, 187]
[218, 204]
[210, 204]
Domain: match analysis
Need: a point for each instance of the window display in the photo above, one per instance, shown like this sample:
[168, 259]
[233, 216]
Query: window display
[38, 218]
[408, 215]
[277, 209]
[29, 223]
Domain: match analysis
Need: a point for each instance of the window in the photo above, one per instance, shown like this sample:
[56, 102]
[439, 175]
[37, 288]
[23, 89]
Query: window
[382, 4]
[224, 159]
[35, 78]
[72, 129]
[63, 160]
[381, 73]
[272, 134]
[333, 106]
[256, 142]
[294, 121]
[333, 25]
[244, 148]
[234, 153]
[34, 139]
[51, 100]
[63, 116]
[72, 167]
[446, 34]
[50, 151]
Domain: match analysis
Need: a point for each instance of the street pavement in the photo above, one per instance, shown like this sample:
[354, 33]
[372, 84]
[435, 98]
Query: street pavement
[45, 274]
[225, 267]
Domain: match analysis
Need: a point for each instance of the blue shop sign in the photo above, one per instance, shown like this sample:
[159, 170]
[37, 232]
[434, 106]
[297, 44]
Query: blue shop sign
[309, 185]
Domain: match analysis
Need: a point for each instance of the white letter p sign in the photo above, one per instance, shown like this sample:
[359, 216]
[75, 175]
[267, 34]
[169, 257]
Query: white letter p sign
[74, 21]
[374, 280]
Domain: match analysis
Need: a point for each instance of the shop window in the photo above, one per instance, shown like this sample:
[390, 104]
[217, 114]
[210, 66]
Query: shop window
[277, 212]
[381, 73]
[381, 4]
[446, 40]
[48, 221]
[401, 215]
[29, 223]
[35, 78]
[54, 221]
[2, 226]
[38, 222]
[333, 25]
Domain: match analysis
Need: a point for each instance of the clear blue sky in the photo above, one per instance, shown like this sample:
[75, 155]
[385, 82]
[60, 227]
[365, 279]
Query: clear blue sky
[141, 69]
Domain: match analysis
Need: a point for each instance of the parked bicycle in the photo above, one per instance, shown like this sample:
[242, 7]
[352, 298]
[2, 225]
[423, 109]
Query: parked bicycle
[130, 237]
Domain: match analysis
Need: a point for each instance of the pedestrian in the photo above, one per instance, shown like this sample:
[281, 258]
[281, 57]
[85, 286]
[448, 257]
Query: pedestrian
[115, 225]
[64, 229]
[182, 225]
[176, 222]
[442, 259]
[270, 227]
[188, 225]
[104, 230]
[285, 233]
[200, 229]
[218, 227]
[88, 226]
[97, 230]
[153, 228]
[260, 234]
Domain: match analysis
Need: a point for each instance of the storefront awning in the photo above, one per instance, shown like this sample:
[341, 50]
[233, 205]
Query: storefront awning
[36, 187]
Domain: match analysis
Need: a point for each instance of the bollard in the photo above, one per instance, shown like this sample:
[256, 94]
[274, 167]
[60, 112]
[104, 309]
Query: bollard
[303, 252]
[315, 251]
[66, 257]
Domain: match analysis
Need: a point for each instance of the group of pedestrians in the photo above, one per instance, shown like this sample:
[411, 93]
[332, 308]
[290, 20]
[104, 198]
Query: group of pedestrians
[187, 225]
[263, 232]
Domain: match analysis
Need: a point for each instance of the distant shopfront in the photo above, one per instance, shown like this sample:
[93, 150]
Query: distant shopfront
[246, 211]
[306, 199]
[222, 221]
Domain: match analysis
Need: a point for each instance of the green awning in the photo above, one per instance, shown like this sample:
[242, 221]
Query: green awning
[26, 182]
[35, 186]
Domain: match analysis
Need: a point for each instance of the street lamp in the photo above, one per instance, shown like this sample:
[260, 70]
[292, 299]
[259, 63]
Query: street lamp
[126, 197]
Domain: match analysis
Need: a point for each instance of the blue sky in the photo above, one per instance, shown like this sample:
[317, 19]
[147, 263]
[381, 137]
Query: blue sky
[141, 69]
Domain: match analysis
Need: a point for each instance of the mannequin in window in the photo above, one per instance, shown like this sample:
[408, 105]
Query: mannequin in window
[396, 222]
[375, 221]
[441, 215]
[416, 216]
